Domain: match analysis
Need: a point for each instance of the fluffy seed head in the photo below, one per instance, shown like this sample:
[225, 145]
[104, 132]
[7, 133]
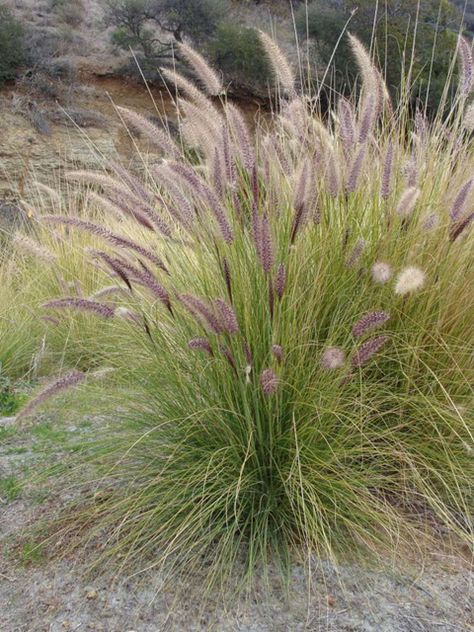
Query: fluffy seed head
[241, 135]
[467, 66]
[205, 73]
[346, 124]
[468, 120]
[333, 358]
[407, 202]
[366, 67]
[31, 247]
[381, 272]
[181, 83]
[367, 118]
[155, 135]
[409, 280]
[279, 63]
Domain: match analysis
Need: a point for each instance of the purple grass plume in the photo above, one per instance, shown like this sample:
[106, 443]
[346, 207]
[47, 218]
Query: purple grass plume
[128, 314]
[280, 280]
[265, 244]
[277, 351]
[367, 119]
[128, 272]
[51, 320]
[268, 381]
[431, 221]
[203, 312]
[107, 235]
[368, 322]
[367, 350]
[355, 169]
[81, 304]
[227, 277]
[207, 75]
[457, 230]
[241, 135]
[346, 124]
[228, 355]
[220, 214]
[226, 316]
[333, 358]
[333, 175]
[70, 380]
[247, 352]
[202, 344]
[386, 185]
[356, 253]
[460, 200]
[407, 202]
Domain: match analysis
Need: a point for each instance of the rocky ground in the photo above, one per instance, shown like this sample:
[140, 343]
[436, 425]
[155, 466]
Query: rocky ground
[28, 153]
[37, 595]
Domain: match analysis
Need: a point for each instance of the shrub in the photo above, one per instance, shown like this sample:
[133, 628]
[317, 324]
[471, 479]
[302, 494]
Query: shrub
[70, 13]
[238, 53]
[12, 48]
[298, 362]
[409, 28]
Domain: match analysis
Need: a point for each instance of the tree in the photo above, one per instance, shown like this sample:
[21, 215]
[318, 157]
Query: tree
[12, 49]
[152, 26]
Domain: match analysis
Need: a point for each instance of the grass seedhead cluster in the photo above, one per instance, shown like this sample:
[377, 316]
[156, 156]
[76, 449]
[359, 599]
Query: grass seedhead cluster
[295, 327]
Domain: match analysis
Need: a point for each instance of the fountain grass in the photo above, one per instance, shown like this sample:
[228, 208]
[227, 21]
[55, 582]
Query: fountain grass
[296, 359]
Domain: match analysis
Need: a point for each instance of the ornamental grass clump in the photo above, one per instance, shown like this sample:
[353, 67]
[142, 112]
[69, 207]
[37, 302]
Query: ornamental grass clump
[301, 347]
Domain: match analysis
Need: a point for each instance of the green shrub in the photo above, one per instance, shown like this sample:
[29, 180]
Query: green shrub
[429, 34]
[298, 359]
[12, 47]
[238, 53]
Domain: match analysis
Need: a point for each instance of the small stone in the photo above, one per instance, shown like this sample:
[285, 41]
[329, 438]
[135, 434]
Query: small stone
[331, 601]
[91, 594]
